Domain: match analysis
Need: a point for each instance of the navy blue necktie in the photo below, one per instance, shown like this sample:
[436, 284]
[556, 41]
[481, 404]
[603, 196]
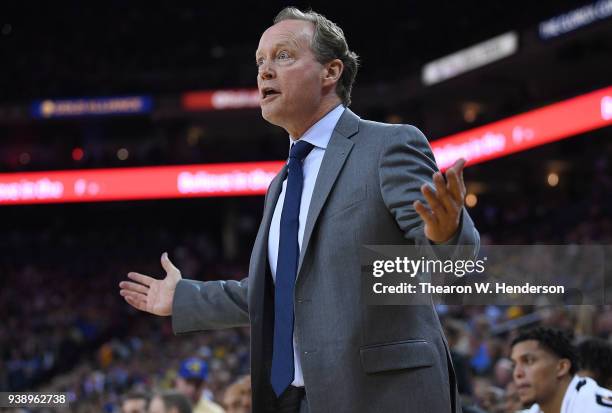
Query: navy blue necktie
[286, 271]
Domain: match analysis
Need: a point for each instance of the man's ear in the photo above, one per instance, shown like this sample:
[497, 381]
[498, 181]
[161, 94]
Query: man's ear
[563, 367]
[332, 72]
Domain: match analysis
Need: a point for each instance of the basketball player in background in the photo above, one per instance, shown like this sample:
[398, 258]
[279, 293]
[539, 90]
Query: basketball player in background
[545, 366]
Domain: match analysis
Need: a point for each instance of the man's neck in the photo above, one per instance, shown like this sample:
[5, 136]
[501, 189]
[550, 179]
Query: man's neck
[553, 405]
[326, 107]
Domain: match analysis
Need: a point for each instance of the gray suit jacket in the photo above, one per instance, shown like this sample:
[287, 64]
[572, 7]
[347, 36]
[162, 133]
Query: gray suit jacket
[355, 357]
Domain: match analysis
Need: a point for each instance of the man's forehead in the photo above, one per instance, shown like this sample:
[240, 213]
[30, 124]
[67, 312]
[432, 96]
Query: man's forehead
[525, 347]
[287, 31]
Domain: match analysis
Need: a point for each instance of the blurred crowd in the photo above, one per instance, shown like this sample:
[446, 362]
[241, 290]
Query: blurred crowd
[78, 336]
[68, 330]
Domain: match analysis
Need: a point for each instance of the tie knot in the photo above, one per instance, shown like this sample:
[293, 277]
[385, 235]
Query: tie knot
[300, 150]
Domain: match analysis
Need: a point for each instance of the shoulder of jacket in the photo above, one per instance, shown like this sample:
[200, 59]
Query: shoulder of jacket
[389, 131]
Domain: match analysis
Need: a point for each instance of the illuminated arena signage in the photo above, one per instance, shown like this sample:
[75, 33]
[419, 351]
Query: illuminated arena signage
[473, 57]
[220, 99]
[575, 19]
[87, 185]
[125, 105]
[517, 133]
[527, 130]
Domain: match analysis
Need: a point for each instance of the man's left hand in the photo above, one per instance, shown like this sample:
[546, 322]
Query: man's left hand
[445, 202]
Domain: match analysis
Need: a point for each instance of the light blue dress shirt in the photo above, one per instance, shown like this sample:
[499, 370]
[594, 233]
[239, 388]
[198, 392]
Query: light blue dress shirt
[318, 135]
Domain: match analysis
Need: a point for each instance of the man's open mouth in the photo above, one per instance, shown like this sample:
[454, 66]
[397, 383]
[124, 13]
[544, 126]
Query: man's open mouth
[268, 91]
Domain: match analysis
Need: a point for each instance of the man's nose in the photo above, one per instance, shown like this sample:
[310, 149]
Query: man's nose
[518, 373]
[265, 71]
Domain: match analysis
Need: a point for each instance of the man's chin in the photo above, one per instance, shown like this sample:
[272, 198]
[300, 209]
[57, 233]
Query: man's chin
[269, 116]
[527, 400]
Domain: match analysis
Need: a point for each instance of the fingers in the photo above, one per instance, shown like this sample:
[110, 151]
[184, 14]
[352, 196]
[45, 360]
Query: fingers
[425, 213]
[136, 300]
[167, 264]
[141, 278]
[461, 177]
[433, 201]
[454, 176]
[136, 303]
[442, 192]
[458, 165]
[134, 295]
[134, 287]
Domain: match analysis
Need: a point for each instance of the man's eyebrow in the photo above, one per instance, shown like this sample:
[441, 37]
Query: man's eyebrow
[291, 43]
[514, 358]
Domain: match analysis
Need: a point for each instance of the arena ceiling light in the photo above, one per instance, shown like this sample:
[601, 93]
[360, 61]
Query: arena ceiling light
[473, 57]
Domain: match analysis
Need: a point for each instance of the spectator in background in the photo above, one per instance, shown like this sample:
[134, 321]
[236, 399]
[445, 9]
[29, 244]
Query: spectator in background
[135, 402]
[191, 382]
[170, 402]
[237, 397]
[502, 372]
[545, 364]
[488, 396]
[596, 361]
[460, 361]
[512, 401]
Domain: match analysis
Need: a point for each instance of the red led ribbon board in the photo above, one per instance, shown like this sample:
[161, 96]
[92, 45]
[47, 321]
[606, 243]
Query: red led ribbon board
[212, 180]
[518, 133]
[514, 134]
[220, 99]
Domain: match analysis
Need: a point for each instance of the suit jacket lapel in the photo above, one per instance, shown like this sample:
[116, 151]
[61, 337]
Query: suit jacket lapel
[275, 189]
[260, 252]
[261, 308]
[336, 153]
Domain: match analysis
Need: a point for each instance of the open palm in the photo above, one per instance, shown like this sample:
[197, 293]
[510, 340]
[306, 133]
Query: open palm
[149, 294]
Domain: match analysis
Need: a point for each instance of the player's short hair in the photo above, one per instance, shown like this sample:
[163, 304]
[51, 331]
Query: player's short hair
[557, 342]
[596, 355]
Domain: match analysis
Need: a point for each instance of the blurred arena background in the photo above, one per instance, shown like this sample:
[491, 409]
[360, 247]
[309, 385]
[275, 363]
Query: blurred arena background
[87, 85]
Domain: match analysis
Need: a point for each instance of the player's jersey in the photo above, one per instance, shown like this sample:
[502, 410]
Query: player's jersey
[583, 395]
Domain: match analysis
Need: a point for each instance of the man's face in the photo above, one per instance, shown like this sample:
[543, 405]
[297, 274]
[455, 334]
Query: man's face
[134, 406]
[189, 388]
[238, 400]
[536, 372]
[289, 76]
[157, 405]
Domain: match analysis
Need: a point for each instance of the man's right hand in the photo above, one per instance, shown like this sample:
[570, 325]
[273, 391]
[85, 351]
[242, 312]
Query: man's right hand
[150, 294]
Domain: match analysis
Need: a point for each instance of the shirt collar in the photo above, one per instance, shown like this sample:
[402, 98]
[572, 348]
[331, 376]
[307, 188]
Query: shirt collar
[320, 133]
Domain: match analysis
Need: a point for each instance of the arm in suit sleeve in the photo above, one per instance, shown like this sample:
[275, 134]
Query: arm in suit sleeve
[406, 162]
[209, 305]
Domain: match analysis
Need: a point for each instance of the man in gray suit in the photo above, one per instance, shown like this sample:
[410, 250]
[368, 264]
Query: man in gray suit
[316, 346]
